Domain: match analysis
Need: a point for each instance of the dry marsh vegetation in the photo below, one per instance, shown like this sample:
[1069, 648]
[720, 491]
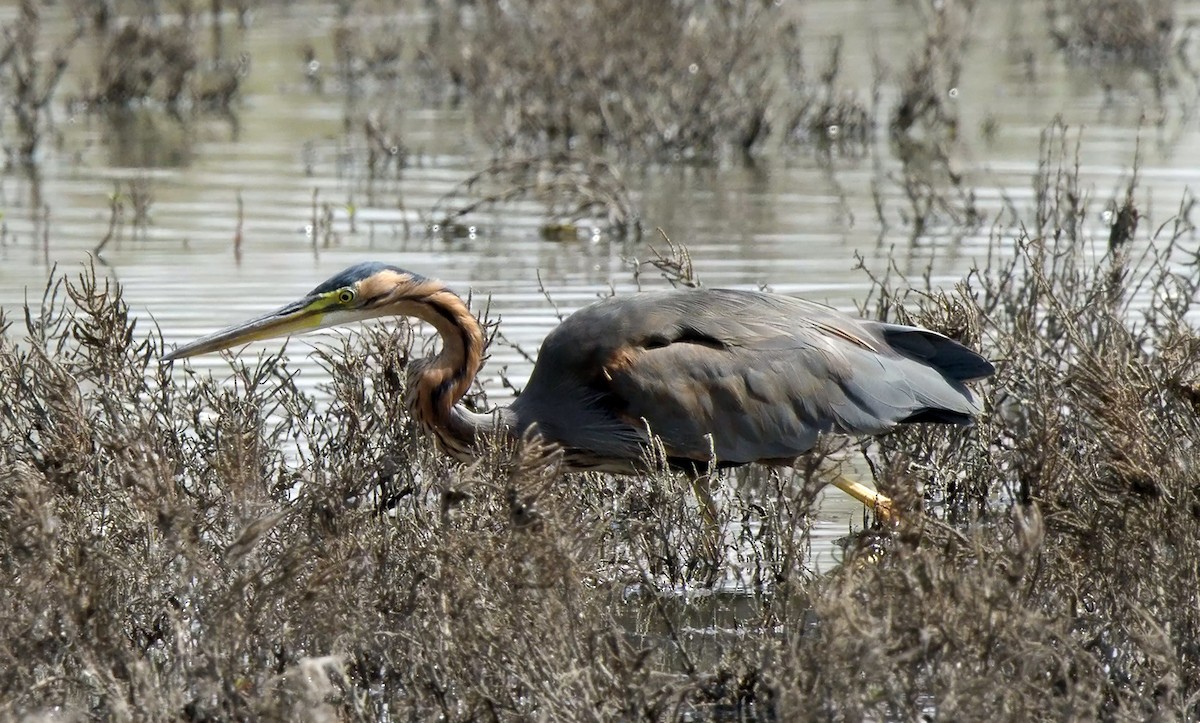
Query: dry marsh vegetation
[1138, 31]
[580, 196]
[142, 61]
[583, 76]
[182, 547]
[646, 82]
[555, 88]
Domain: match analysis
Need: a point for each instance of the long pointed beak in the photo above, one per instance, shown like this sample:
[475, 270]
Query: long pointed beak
[294, 318]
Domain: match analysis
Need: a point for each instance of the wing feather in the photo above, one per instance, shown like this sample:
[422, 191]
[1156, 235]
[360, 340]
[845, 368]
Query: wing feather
[760, 375]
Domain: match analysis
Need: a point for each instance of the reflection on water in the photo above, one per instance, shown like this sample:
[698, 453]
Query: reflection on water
[146, 138]
[241, 216]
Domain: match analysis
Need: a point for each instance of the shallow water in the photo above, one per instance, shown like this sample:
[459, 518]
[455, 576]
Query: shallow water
[793, 223]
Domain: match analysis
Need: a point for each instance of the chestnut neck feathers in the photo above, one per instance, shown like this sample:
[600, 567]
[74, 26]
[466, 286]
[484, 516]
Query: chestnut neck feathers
[436, 384]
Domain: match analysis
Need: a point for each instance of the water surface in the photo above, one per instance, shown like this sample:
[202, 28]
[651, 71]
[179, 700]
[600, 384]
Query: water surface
[794, 222]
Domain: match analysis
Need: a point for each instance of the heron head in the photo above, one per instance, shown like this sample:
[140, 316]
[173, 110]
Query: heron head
[364, 291]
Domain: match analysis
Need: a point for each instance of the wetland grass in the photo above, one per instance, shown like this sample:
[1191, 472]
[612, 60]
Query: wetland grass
[580, 196]
[28, 80]
[182, 547]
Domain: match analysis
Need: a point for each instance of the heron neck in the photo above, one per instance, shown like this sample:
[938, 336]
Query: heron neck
[439, 383]
[449, 375]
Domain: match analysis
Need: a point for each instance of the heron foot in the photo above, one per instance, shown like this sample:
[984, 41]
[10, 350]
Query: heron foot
[879, 504]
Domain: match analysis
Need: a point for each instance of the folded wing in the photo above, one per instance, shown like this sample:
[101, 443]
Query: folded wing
[747, 375]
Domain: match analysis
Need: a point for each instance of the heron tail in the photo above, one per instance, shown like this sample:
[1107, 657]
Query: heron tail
[953, 360]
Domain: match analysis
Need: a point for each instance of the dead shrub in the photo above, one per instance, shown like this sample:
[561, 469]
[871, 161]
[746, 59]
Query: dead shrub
[657, 81]
[824, 114]
[1138, 31]
[1109, 38]
[28, 79]
[923, 127]
[1088, 446]
[150, 62]
[143, 63]
[229, 548]
[579, 195]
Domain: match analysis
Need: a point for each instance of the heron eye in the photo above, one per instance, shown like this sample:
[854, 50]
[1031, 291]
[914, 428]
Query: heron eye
[345, 296]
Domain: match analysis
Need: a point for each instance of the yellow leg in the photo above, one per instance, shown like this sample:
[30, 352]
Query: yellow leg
[882, 506]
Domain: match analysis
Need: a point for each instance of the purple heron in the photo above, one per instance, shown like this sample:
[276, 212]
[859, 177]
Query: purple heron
[742, 376]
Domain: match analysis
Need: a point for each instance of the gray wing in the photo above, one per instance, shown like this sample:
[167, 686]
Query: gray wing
[762, 375]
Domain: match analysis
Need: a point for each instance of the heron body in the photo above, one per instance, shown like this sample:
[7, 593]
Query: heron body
[715, 374]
